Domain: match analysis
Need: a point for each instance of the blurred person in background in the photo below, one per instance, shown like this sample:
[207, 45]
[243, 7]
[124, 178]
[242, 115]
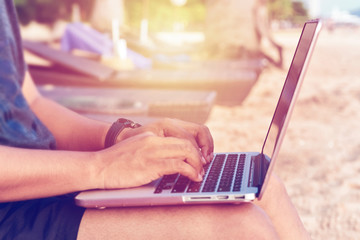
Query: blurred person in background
[48, 153]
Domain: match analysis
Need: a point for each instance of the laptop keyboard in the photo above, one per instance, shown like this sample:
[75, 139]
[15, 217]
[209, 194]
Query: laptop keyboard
[223, 174]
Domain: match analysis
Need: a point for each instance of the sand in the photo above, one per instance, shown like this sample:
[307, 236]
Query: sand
[320, 157]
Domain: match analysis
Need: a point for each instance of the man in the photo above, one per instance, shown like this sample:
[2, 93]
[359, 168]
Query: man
[48, 152]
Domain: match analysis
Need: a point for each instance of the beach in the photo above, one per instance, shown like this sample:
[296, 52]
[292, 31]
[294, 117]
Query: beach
[319, 161]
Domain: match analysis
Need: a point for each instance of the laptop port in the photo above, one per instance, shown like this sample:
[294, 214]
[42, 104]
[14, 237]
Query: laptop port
[222, 197]
[200, 198]
[239, 197]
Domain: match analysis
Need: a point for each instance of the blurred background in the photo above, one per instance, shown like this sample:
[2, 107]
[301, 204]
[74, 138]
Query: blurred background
[221, 63]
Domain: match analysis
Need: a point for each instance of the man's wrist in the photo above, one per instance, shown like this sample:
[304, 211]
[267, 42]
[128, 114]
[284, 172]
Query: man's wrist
[116, 128]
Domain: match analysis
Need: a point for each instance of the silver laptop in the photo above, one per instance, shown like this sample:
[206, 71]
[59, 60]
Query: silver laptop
[231, 177]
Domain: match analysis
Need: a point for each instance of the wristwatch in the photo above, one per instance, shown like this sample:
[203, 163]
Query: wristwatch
[116, 129]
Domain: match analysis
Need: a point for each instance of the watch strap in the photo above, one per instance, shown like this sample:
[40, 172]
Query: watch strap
[116, 128]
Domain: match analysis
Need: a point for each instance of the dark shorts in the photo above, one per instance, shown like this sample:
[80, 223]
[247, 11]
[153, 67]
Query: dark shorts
[48, 218]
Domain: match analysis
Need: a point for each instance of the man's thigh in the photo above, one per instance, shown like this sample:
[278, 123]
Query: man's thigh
[243, 221]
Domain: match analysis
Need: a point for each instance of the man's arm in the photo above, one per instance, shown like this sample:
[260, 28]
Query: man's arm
[135, 161]
[75, 132]
[140, 156]
[27, 173]
[71, 130]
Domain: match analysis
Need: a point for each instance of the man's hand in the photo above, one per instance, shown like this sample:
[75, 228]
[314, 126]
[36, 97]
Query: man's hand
[145, 157]
[198, 135]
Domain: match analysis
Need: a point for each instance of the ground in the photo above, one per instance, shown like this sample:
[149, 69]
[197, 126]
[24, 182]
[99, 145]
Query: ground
[320, 157]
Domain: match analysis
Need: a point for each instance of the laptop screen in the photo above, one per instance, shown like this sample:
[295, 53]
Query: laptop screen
[278, 123]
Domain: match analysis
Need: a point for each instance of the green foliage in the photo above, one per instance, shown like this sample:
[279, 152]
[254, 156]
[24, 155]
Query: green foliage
[280, 9]
[300, 14]
[299, 9]
[162, 14]
[287, 10]
[48, 11]
[19, 2]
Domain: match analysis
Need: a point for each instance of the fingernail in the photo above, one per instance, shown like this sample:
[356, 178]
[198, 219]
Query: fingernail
[203, 160]
[200, 177]
[210, 157]
[202, 172]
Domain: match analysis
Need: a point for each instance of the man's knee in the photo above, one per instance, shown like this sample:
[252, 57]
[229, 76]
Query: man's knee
[257, 224]
[275, 189]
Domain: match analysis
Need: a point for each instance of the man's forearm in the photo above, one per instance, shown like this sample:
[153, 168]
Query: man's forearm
[27, 173]
[71, 130]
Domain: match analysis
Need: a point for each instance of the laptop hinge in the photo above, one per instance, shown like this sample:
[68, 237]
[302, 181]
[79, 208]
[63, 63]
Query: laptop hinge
[258, 169]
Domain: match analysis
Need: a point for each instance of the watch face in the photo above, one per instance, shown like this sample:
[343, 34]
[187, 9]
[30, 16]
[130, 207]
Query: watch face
[124, 121]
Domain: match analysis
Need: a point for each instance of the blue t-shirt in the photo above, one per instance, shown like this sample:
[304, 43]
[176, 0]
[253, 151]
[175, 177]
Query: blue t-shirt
[19, 127]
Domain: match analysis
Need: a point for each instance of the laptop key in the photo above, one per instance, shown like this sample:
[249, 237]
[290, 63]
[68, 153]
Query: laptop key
[194, 187]
[239, 174]
[180, 184]
[228, 173]
[170, 178]
[166, 182]
[214, 173]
